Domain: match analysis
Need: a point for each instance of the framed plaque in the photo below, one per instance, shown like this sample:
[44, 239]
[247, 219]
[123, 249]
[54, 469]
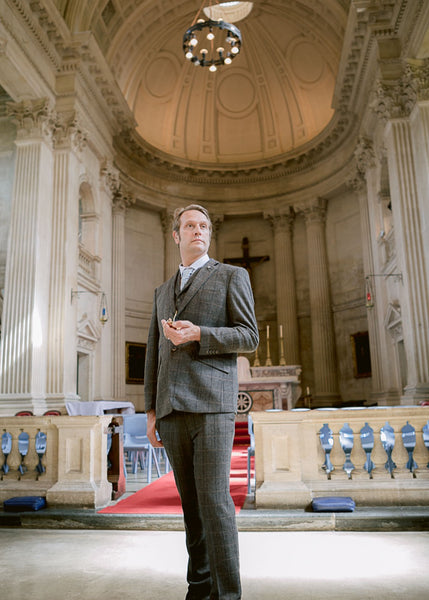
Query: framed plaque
[361, 354]
[135, 355]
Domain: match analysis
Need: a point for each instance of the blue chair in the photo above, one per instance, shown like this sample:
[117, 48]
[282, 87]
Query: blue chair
[250, 451]
[137, 445]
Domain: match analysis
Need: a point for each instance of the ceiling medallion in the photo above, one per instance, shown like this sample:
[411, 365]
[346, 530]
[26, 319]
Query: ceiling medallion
[212, 42]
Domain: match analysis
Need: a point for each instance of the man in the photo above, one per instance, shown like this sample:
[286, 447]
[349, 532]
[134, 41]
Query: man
[191, 391]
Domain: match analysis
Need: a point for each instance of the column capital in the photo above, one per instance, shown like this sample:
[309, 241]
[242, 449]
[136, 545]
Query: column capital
[420, 71]
[364, 160]
[122, 199]
[109, 176]
[68, 131]
[217, 220]
[281, 221]
[314, 211]
[167, 216]
[33, 118]
[396, 99]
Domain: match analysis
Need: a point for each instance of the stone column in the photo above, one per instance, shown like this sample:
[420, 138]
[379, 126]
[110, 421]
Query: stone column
[285, 285]
[322, 328]
[216, 220]
[61, 367]
[365, 162]
[395, 105]
[171, 251]
[120, 203]
[25, 314]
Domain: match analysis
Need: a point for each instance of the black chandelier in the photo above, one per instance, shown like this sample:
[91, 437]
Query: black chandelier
[211, 43]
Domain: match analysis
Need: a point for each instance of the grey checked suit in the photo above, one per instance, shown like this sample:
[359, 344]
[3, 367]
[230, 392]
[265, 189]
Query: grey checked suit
[193, 388]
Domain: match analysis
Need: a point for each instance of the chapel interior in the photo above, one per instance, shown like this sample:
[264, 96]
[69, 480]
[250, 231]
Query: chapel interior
[311, 153]
[310, 150]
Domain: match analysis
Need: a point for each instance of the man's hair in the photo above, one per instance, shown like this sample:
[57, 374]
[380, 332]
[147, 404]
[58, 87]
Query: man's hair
[179, 212]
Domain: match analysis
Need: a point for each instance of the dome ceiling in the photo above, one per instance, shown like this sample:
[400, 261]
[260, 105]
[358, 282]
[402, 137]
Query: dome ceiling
[275, 97]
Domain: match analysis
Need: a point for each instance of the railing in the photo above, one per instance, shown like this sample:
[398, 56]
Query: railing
[60, 457]
[379, 456]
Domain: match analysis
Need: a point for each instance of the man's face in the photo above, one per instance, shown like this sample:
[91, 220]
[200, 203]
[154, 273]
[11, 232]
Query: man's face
[193, 238]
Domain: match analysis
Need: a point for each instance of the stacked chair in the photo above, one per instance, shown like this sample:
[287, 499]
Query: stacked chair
[139, 449]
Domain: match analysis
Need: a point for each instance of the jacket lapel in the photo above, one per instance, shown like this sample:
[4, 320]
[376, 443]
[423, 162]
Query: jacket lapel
[195, 283]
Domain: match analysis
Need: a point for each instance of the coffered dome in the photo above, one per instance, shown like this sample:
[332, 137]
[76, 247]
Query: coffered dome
[275, 97]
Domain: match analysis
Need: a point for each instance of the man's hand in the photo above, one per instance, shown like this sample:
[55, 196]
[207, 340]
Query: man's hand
[151, 430]
[180, 332]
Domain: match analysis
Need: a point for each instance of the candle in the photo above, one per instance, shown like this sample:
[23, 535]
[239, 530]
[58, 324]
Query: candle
[268, 332]
[281, 331]
[308, 391]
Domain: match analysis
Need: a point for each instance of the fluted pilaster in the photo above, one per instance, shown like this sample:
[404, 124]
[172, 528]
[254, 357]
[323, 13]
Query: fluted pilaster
[25, 315]
[365, 162]
[61, 368]
[171, 251]
[285, 285]
[120, 203]
[322, 329]
[398, 103]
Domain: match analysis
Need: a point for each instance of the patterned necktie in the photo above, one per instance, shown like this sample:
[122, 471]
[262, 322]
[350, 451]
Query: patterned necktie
[186, 273]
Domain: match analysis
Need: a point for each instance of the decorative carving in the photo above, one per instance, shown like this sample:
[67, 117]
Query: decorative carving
[122, 199]
[110, 178]
[421, 77]
[315, 212]
[396, 99]
[167, 221]
[365, 155]
[33, 117]
[69, 132]
[281, 222]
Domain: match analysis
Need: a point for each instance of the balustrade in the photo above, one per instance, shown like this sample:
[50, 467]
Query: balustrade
[60, 457]
[378, 456]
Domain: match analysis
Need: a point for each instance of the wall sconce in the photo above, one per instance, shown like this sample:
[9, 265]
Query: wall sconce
[369, 294]
[103, 311]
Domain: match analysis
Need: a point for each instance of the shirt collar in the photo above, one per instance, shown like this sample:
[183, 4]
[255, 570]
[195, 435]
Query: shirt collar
[200, 262]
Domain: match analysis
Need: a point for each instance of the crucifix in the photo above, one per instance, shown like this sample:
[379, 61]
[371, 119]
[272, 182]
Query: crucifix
[246, 260]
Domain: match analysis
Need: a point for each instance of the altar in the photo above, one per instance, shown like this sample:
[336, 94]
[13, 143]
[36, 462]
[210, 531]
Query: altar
[268, 387]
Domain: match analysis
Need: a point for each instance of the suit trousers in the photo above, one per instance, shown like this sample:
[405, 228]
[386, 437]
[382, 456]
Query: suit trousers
[199, 447]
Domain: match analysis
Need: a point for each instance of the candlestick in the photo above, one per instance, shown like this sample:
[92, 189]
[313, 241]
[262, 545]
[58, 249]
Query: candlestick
[282, 360]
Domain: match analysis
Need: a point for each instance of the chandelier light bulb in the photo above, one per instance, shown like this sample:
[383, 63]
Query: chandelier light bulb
[189, 55]
[228, 60]
[212, 68]
[210, 35]
[193, 42]
[204, 51]
[235, 50]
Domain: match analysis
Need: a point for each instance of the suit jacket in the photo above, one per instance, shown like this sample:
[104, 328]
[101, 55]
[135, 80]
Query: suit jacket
[200, 376]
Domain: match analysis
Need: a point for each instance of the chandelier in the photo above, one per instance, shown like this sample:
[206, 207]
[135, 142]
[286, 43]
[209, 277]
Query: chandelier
[211, 42]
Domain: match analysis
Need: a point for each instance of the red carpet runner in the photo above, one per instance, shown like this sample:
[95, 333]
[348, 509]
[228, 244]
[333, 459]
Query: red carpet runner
[162, 497]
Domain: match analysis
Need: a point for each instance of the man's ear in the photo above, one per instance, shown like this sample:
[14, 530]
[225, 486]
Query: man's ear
[176, 237]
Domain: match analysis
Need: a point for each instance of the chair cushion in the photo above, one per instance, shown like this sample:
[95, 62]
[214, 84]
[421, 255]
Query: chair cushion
[24, 503]
[333, 504]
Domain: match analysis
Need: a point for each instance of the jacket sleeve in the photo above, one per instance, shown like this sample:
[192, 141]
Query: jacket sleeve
[151, 363]
[241, 332]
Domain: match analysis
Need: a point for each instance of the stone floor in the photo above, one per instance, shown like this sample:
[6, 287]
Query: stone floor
[373, 553]
[50, 564]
